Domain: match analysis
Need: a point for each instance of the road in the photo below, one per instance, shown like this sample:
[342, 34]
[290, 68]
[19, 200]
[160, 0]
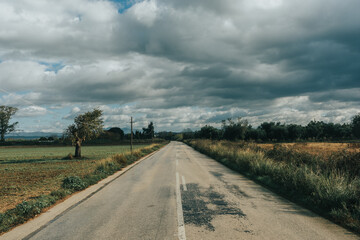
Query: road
[179, 193]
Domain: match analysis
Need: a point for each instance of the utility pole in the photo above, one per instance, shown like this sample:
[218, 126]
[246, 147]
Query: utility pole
[131, 135]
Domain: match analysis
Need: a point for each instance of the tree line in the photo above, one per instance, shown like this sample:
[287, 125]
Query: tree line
[240, 129]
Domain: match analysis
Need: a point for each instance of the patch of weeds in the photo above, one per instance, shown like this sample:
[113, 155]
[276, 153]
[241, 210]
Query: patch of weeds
[25, 211]
[68, 157]
[60, 194]
[74, 183]
[120, 159]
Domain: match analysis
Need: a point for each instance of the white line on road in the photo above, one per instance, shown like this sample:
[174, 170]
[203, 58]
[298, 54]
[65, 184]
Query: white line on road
[180, 216]
[184, 183]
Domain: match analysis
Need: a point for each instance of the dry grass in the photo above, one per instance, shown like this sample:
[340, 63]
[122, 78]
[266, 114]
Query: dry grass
[24, 181]
[26, 173]
[317, 148]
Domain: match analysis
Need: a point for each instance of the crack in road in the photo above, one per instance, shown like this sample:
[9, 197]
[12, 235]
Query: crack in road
[235, 189]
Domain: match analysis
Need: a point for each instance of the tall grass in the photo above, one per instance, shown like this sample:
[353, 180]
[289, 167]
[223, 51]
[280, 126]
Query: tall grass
[70, 184]
[330, 187]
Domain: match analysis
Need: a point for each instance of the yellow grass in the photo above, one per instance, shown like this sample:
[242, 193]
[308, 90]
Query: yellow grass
[22, 182]
[317, 148]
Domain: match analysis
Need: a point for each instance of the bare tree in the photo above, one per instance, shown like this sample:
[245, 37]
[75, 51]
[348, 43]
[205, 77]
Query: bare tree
[5, 115]
[86, 126]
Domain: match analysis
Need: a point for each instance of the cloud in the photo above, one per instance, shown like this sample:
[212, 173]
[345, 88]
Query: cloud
[263, 60]
[31, 111]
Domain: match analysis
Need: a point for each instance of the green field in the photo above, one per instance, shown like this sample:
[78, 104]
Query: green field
[34, 154]
[28, 172]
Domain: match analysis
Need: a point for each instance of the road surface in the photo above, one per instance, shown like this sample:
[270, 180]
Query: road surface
[179, 193]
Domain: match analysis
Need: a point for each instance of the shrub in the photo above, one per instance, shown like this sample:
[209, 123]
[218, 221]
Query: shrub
[59, 194]
[74, 183]
[68, 157]
[120, 159]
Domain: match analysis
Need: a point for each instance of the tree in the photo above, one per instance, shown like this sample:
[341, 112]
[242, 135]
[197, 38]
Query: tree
[267, 127]
[234, 130]
[356, 125]
[5, 115]
[86, 126]
[208, 132]
[294, 132]
[187, 133]
[115, 133]
[149, 131]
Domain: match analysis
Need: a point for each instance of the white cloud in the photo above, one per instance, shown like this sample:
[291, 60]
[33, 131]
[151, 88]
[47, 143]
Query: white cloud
[31, 111]
[145, 12]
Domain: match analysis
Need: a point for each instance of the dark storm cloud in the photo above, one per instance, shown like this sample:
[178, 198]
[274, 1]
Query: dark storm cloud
[251, 57]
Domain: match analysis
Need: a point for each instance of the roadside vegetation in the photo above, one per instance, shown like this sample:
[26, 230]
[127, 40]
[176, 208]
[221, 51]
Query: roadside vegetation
[30, 186]
[328, 184]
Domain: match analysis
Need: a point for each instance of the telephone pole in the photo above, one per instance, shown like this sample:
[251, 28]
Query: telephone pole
[131, 135]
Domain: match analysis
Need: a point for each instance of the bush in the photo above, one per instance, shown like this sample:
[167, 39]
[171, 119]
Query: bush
[59, 194]
[68, 157]
[74, 183]
[120, 159]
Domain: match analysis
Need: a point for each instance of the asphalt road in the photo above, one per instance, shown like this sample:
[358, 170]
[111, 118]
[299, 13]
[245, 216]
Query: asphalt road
[179, 193]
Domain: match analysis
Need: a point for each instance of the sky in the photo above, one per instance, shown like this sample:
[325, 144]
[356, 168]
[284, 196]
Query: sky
[181, 64]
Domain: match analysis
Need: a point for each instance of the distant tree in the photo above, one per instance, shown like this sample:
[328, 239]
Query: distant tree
[117, 132]
[314, 130]
[294, 131]
[5, 115]
[280, 132]
[255, 134]
[138, 135]
[355, 125]
[53, 137]
[267, 127]
[234, 130]
[187, 133]
[86, 126]
[148, 132]
[166, 135]
[43, 139]
[208, 132]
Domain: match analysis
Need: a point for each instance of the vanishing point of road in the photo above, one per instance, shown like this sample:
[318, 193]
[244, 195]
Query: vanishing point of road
[178, 193]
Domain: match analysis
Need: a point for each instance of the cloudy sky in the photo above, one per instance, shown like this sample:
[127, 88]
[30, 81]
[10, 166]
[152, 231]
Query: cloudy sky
[181, 64]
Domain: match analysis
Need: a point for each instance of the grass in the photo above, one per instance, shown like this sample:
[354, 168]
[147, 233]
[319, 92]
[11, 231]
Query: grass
[38, 154]
[26, 173]
[29, 187]
[316, 148]
[328, 184]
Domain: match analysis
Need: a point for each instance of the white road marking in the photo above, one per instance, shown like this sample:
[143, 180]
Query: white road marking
[184, 183]
[177, 162]
[180, 216]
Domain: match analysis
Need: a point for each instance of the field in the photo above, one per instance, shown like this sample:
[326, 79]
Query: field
[325, 177]
[320, 149]
[26, 173]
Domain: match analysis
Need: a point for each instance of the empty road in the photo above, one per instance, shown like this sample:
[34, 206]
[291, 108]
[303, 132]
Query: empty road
[179, 193]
